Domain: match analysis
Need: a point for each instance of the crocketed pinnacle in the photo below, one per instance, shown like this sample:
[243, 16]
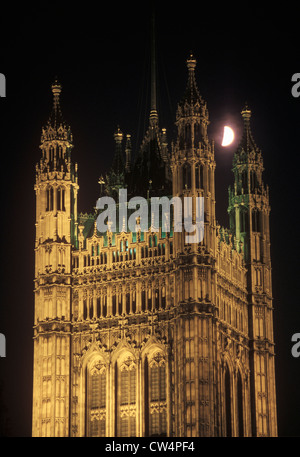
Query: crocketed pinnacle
[118, 161]
[56, 118]
[247, 143]
[192, 94]
[56, 127]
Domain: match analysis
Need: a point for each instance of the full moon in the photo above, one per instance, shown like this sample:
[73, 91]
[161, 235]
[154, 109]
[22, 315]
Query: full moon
[228, 136]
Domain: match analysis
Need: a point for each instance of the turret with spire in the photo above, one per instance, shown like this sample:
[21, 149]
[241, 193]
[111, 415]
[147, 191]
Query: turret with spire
[192, 158]
[248, 162]
[192, 114]
[56, 189]
[115, 178]
[56, 138]
[249, 212]
[248, 183]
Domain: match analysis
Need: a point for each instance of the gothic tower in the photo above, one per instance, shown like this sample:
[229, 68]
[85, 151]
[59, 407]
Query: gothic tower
[154, 332]
[56, 190]
[193, 167]
[249, 211]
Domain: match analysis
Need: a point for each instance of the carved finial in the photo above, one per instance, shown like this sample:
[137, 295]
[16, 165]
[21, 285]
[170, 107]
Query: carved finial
[246, 113]
[191, 62]
[118, 135]
[56, 90]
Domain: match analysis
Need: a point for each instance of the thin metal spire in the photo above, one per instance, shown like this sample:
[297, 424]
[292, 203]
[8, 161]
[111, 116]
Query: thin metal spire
[153, 109]
[56, 117]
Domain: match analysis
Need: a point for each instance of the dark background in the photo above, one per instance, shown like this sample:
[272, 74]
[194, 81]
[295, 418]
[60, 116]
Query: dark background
[100, 54]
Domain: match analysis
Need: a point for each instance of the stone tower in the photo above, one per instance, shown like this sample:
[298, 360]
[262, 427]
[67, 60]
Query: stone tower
[249, 211]
[193, 166]
[56, 222]
[150, 333]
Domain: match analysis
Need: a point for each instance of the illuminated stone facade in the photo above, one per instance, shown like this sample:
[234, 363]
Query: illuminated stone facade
[141, 334]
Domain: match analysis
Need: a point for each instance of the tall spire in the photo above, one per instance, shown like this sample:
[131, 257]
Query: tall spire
[56, 127]
[56, 138]
[192, 116]
[151, 165]
[118, 161]
[247, 161]
[115, 178]
[153, 108]
[56, 117]
[247, 143]
[192, 93]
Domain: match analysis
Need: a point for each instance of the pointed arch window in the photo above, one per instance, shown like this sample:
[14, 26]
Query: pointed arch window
[256, 216]
[244, 220]
[253, 181]
[128, 302]
[156, 396]
[186, 176]
[240, 413]
[149, 297]
[157, 297]
[126, 398]
[49, 198]
[227, 397]
[199, 176]
[197, 133]
[114, 304]
[61, 199]
[143, 299]
[96, 399]
[244, 181]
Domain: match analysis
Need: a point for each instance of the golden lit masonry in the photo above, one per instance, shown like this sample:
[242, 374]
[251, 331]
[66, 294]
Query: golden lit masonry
[140, 333]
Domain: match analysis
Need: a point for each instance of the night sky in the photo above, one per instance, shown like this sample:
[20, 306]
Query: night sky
[101, 56]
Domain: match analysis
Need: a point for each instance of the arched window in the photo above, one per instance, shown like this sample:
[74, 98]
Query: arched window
[156, 298]
[156, 396]
[114, 304]
[186, 176]
[227, 395]
[143, 300]
[244, 181]
[128, 303]
[84, 310]
[253, 181]
[133, 303]
[49, 197]
[104, 305]
[240, 418]
[197, 134]
[125, 384]
[98, 307]
[91, 308]
[255, 220]
[96, 400]
[199, 176]
[149, 298]
[60, 199]
[163, 297]
[51, 153]
[120, 303]
[244, 220]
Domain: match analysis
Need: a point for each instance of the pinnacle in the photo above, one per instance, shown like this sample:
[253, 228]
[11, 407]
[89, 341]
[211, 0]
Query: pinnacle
[191, 61]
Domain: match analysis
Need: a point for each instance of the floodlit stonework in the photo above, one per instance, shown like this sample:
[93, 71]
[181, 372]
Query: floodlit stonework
[139, 333]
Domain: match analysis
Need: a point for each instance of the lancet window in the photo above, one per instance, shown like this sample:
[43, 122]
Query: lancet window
[96, 399]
